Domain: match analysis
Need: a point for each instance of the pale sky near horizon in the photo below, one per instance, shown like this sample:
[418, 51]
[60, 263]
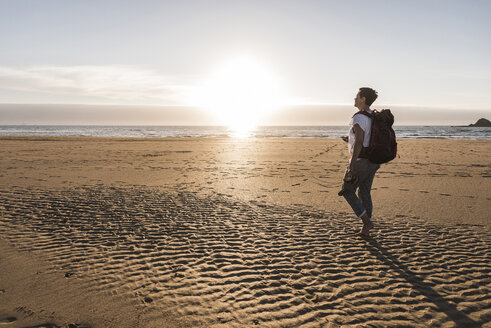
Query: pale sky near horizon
[424, 54]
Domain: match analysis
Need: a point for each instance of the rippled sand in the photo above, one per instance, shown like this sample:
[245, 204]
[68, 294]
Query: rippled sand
[239, 233]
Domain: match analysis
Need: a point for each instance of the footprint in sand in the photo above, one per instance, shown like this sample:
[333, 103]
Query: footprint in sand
[7, 320]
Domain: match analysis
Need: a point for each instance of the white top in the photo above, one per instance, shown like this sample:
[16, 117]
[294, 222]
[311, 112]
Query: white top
[365, 124]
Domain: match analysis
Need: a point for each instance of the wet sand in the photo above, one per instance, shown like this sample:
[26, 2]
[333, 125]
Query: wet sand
[107, 232]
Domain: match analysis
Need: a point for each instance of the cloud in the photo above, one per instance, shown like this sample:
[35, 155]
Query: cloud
[118, 83]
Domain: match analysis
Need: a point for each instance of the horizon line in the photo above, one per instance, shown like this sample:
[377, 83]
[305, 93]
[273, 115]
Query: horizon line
[444, 107]
[225, 126]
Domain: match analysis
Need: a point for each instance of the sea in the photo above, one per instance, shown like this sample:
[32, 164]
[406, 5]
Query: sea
[403, 132]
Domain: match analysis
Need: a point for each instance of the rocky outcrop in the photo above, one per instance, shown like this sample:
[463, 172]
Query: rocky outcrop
[482, 122]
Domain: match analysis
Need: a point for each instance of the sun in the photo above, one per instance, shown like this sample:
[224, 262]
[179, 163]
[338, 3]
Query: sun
[240, 93]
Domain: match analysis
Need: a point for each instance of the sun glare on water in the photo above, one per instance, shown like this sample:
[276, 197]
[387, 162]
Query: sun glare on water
[240, 93]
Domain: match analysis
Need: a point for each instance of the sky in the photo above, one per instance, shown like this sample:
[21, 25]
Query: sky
[163, 62]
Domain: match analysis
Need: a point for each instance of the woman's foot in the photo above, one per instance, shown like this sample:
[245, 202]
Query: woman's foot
[367, 226]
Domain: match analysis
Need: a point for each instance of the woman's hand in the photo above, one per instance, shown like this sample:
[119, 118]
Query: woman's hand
[351, 170]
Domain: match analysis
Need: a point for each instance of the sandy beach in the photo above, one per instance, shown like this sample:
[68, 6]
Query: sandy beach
[211, 232]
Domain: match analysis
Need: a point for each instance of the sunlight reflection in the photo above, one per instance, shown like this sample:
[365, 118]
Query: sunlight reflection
[241, 131]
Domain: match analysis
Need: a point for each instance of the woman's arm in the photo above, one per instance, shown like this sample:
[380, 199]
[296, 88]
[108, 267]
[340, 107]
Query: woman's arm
[359, 137]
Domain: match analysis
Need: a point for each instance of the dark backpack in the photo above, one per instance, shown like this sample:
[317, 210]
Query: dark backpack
[383, 145]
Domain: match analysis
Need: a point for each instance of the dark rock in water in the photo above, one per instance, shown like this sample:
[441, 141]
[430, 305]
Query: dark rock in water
[482, 122]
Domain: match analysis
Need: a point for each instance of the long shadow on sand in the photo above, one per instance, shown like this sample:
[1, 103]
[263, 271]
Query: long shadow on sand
[460, 318]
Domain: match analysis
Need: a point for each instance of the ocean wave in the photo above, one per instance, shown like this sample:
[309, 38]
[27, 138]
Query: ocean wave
[402, 132]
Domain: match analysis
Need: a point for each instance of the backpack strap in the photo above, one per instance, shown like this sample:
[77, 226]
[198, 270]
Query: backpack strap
[363, 112]
[364, 150]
